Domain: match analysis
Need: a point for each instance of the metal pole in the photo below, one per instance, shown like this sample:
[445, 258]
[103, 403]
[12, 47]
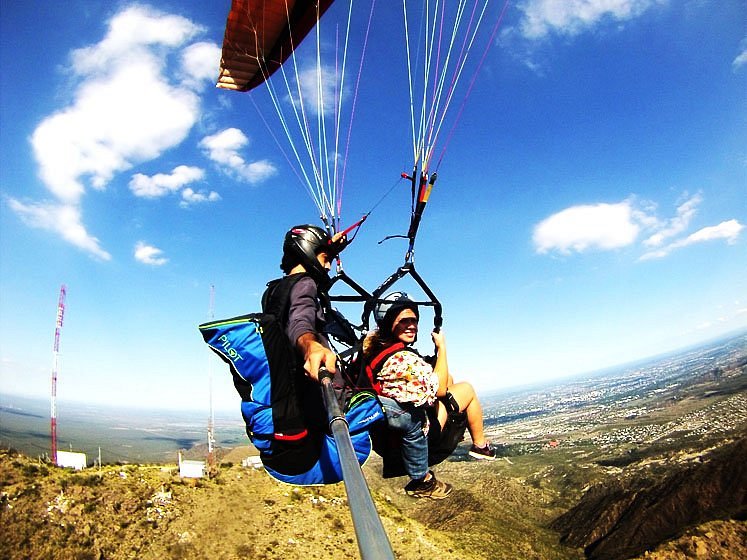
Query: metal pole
[211, 417]
[373, 542]
[55, 367]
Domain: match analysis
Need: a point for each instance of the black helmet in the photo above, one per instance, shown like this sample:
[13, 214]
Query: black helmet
[301, 246]
[387, 310]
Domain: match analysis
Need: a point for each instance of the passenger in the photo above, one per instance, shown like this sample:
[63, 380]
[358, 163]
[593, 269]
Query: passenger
[410, 381]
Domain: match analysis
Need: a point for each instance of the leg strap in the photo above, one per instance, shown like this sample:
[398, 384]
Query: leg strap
[452, 406]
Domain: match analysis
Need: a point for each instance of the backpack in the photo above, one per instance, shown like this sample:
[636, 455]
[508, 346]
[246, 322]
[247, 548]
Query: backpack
[283, 408]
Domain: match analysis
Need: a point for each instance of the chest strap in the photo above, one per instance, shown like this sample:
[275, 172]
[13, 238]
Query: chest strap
[373, 367]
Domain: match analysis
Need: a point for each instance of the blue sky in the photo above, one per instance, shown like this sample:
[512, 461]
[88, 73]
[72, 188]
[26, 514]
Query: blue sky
[590, 207]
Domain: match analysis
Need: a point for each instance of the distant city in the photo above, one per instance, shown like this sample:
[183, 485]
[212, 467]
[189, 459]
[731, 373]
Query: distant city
[630, 405]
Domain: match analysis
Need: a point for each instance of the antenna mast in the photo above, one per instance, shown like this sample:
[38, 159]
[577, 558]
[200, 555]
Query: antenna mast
[211, 418]
[55, 367]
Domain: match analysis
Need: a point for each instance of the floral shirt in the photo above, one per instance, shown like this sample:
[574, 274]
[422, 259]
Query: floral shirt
[408, 378]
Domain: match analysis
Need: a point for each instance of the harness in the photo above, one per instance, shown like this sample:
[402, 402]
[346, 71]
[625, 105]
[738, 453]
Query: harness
[374, 366]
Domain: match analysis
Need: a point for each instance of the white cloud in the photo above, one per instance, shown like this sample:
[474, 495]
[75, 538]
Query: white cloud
[201, 63]
[62, 219]
[612, 226]
[125, 107]
[147, 254]
[580, 228]
[728, 230]
[162, 184]
[318, 88]
[259, 171]
[571, 17]
[114, 123]
[678, 224]
[190, 197]
[729, 317]
[741, 58]
[129, 31]
[223, 148]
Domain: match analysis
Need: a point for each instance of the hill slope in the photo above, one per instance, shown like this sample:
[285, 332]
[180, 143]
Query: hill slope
[622, 518]
[142, 511]
[147, 512]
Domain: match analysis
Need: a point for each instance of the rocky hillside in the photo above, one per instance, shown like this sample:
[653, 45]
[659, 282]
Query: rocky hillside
[148, 512]
[628, 515]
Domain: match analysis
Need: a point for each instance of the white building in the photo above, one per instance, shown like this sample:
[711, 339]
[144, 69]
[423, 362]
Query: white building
[191, 469]
[252, 461]
[76, 461]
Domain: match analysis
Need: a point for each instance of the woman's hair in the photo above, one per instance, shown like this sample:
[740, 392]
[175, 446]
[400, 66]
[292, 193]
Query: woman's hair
[375, 343]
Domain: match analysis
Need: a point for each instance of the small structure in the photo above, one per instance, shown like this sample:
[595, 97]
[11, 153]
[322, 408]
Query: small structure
[191, 469]
[70, 459]
[252, 461]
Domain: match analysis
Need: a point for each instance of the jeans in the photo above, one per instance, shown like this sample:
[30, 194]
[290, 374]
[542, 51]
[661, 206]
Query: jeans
[408, 422]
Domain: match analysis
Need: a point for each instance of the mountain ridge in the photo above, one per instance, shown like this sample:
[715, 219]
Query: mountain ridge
[623, 518]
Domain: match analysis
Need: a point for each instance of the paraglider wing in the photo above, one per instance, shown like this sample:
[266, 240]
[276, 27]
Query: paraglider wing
[261, 35]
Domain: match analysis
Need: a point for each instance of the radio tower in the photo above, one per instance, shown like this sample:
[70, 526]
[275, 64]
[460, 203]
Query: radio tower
[55, 365]
[211, 418]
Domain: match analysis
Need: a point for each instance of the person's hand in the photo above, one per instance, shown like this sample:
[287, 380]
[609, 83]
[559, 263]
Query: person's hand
[439, 340]
[339, 235]
[338, 242]
[317, 355]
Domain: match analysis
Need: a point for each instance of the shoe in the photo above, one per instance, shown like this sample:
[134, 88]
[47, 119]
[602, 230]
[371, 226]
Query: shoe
[485, 452]
[432, 488]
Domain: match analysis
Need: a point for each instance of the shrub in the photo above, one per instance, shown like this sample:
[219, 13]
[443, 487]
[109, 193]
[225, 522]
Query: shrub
[86, 479]
[31, 470]
[89, 507]
[245, 550]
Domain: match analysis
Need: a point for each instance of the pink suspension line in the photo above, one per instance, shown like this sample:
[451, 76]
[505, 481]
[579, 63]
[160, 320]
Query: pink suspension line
[458, 66]
[472, 83]
[436, 79]
[352, 111]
